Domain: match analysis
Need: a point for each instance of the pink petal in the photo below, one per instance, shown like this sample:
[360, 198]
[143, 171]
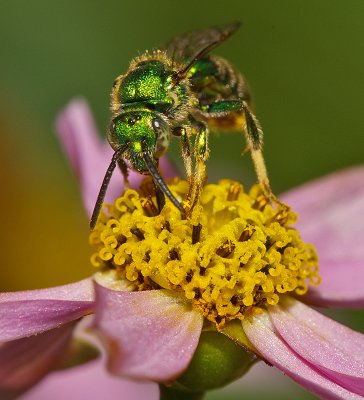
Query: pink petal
[280, 354]
[335, 350]
[342, 286]
[90, 381]
[330, 213]
[90, 156]
[24, 361]
[34, 311]
[151, 335]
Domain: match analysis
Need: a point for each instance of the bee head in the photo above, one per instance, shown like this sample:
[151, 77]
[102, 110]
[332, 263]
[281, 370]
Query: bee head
[129, 129]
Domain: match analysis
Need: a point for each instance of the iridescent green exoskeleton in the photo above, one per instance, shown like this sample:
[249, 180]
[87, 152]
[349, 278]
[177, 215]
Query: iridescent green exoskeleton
[179, 90]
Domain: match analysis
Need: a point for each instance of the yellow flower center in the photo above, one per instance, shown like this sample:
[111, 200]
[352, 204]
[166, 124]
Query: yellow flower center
[233, 256]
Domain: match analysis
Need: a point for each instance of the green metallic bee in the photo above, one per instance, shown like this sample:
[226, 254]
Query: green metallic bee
[179, 90]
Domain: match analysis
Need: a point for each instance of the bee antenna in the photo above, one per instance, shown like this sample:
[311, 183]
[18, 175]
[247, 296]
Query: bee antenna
[158, 180]
[104, 185]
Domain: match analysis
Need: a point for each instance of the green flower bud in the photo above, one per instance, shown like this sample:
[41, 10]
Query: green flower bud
[217, 361]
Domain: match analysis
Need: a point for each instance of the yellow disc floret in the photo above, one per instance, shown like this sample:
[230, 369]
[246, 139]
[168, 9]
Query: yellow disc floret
[233, 256]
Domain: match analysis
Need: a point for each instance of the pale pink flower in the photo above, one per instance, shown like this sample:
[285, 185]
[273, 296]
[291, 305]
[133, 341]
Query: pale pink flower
[154, 335]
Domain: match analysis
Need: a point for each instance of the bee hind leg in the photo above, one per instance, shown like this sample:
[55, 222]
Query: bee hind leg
[252, 130]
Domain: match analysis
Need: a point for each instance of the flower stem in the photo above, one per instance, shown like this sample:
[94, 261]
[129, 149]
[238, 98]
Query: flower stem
[169, 393]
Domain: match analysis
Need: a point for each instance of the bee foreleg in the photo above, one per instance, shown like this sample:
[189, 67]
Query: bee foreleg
[184, 134]
[124, 170]
[201, 153]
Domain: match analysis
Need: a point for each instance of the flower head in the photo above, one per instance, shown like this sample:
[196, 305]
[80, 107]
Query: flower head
[232, 267]
[235, 255]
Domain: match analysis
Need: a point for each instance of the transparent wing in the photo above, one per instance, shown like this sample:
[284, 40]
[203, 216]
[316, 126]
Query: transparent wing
[191, 45]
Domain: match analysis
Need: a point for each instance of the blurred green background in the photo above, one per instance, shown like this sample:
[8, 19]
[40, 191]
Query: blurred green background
[303, 60]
